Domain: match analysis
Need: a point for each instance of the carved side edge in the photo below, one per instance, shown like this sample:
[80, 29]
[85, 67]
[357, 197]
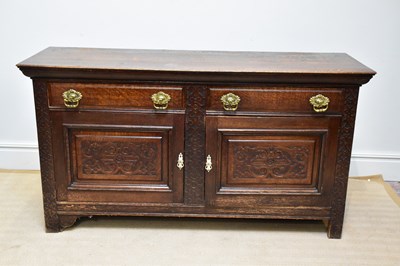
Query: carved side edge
[46, 156]
[195, 145]
[346, 132]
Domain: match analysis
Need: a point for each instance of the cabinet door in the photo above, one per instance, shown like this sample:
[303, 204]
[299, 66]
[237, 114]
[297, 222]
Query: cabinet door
[118, 156]
[271, 161]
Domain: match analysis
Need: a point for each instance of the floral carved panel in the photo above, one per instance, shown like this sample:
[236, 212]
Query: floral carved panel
[260, 162]
[271, 162]
[119, 158]
[129, 158]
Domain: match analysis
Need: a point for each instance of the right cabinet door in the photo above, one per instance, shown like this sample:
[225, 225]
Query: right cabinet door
[260, 162]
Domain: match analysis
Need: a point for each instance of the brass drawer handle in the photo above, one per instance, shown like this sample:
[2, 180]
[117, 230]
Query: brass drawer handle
[71, 98]
[208, 166]
[230, 101]
[180, 163]
[160, 100]
[320, 103]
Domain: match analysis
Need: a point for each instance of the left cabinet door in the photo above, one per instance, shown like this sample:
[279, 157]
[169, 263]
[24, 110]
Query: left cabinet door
[110, 156]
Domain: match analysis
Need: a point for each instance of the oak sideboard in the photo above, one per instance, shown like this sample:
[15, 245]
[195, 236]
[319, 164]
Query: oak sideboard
[194, 133]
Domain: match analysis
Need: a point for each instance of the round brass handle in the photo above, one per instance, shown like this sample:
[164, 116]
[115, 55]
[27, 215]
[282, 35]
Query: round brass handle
[160, 100]
[71, 98]
[320, 103]
[230, 101]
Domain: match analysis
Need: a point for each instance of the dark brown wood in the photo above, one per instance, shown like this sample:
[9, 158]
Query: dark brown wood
[51, 217]
[274, 157]
[195, 145]
[117, 156]
[343, 163]
[111, 96]
[196, 61]
[285, 161]
[275, 99]
[67, 221]
[205, 66]
[269, 160]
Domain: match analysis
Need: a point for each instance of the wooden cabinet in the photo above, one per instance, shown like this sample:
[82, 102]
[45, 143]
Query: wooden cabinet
[194, 134]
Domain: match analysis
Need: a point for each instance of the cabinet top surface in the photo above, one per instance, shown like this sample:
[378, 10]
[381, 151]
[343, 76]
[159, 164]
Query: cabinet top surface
[196, 61]
[174, 61]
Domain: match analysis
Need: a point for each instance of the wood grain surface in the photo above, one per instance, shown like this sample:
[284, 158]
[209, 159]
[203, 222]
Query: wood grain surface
[203, 61]
[198, 66]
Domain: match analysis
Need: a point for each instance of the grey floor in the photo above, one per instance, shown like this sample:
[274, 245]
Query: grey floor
[395, 185]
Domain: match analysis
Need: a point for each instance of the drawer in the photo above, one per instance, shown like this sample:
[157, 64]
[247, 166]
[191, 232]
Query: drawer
[276, 99]
[98, 95]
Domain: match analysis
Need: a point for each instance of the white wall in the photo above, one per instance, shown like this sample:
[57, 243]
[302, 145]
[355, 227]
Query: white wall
[367, 30]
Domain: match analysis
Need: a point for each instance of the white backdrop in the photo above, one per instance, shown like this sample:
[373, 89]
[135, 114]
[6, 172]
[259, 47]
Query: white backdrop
[367, 30]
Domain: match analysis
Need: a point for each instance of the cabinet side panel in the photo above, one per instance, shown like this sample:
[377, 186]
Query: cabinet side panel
[46, 155]
[194, 145]
[346, 132]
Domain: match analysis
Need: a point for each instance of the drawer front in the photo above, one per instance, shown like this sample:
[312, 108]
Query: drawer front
[127, 96]
[276, 99]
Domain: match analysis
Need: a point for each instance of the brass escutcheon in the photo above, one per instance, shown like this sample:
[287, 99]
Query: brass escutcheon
[180, 164]
[208, 166]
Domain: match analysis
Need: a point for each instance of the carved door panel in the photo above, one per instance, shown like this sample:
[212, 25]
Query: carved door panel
[118, 157]
[271, 160]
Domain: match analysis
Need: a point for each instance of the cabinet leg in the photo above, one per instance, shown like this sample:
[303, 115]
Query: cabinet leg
[67, 221]
[52, 223]
[335, 229]
[56, 224]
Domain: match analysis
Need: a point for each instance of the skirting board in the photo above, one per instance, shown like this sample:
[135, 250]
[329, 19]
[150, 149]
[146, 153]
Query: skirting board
[371, 164]
[19, 156]
[26, 157]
